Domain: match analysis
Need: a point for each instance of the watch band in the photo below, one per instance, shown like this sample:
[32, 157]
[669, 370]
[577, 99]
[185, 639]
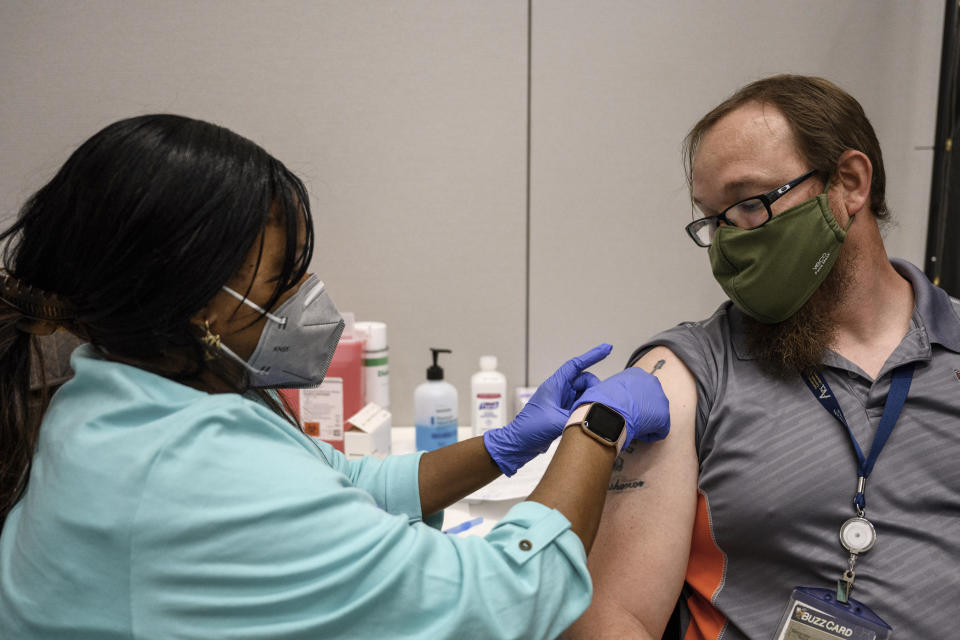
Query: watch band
[578, 419]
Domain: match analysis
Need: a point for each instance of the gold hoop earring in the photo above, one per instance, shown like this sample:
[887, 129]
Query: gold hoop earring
[210, 340]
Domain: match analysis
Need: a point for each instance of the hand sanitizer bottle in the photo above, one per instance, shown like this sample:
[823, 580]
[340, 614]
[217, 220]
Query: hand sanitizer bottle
[435, 409]
[488, 397]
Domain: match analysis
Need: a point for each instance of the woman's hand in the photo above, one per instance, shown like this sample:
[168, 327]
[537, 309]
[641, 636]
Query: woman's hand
[543, 417]
[637, 396]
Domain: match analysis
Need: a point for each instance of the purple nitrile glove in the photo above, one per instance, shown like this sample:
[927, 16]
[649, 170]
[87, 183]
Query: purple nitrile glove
[545, 414]
[638, 397]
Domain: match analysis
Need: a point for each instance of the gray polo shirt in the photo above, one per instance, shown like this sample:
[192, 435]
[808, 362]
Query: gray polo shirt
[778, 474]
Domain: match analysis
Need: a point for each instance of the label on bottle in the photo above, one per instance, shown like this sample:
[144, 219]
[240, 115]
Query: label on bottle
[489, 412]
[321, 410]
[439, 432]
[376, 374]
[523, 394]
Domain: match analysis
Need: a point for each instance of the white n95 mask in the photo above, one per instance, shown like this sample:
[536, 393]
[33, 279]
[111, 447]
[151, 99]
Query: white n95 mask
[297, 342]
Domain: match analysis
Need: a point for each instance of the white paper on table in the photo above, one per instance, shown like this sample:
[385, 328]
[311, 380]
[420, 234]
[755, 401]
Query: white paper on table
[520, 485]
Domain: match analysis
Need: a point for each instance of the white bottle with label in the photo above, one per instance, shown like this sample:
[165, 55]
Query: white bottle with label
[488, 397]
[435, 409]
[376, 368]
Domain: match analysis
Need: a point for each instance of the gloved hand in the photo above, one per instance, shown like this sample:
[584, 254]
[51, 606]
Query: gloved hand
[638, 397]
[543, 417]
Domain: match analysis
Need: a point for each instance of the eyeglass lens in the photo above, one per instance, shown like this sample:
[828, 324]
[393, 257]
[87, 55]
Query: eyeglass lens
[748, 214]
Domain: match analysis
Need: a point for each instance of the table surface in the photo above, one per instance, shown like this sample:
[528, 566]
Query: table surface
[404, 441]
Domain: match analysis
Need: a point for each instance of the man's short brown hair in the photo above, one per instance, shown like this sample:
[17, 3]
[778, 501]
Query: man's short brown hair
[825, 121]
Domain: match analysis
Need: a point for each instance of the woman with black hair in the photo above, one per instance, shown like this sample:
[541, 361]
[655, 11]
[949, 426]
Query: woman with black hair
[166, 491]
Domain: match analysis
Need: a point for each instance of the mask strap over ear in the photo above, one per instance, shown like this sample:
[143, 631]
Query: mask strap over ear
[233, 356]
[250, 303]
[826, 190]
[214, 345]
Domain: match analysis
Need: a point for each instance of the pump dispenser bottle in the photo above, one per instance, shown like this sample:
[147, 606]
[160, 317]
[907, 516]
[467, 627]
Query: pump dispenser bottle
[435, 409]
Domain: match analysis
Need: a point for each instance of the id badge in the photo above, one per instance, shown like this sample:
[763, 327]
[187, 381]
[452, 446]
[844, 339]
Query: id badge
[815, 614]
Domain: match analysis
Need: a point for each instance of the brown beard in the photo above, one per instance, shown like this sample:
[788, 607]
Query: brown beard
[797, 344]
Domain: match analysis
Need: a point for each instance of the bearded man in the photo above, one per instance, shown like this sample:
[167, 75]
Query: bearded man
[815, 416]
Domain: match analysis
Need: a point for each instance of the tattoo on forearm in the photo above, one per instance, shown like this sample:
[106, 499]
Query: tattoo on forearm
[623, 485]
[658, 366]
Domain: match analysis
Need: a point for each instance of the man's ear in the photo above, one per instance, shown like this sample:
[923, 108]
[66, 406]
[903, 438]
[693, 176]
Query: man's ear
[854, 178]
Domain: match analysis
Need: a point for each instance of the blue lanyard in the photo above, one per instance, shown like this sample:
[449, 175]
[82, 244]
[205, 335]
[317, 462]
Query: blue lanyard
[896, 398]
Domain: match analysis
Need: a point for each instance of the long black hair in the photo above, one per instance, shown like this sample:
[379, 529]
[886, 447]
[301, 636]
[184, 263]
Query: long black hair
[137, 232]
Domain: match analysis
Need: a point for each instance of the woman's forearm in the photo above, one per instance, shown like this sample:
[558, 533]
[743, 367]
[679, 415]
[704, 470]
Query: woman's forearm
[454, 472]
[575, 483]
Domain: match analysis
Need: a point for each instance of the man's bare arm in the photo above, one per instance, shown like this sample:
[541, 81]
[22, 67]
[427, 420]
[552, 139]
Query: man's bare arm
[640, 554]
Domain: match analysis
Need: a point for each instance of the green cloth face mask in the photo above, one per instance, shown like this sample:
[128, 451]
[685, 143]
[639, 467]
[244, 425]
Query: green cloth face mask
[771, 271]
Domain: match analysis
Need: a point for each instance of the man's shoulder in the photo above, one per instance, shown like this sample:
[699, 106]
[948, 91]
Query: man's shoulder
[714, 335]
[717, 321]
[715, 329]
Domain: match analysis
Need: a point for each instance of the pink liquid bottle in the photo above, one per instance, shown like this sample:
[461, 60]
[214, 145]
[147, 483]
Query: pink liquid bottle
[347, 364]
[324, 410]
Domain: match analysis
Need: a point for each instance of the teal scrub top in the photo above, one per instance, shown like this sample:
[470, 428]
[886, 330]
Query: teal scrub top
[154, 510]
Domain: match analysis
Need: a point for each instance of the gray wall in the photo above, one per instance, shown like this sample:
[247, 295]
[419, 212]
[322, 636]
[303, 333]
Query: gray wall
[408, 121]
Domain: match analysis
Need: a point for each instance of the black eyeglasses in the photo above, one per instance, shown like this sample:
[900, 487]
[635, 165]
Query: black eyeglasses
[747, 214]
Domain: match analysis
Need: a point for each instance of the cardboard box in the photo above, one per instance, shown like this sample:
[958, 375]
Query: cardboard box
[367, 433]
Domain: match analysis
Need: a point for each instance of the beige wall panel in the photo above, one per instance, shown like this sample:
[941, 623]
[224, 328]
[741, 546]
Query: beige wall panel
[616, 86]
[407, 121]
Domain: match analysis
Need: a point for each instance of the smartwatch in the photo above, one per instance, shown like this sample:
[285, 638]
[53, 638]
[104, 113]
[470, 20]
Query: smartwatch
[601, 423]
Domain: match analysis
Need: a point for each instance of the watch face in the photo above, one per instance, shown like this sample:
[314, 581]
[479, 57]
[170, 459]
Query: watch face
[604, 421]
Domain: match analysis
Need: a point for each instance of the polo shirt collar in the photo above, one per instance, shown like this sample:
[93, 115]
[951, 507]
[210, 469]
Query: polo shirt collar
[936, 311]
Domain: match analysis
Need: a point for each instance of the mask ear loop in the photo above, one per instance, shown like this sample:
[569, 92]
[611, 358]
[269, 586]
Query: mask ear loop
[313, 293]
[826, 192]
[213, 345]
[281, 321]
